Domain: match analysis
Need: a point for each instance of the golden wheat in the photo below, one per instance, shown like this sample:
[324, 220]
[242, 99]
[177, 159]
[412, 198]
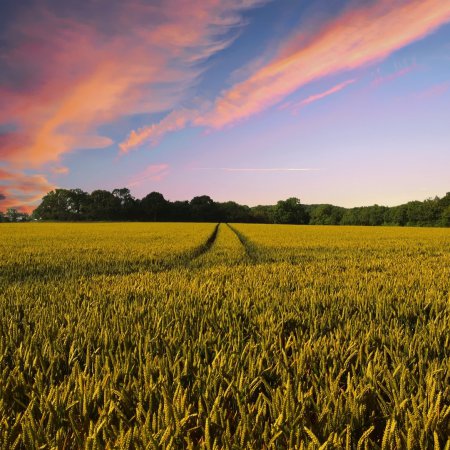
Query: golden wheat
[168, 336]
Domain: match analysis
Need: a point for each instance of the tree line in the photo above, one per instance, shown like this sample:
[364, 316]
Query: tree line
[120, 205]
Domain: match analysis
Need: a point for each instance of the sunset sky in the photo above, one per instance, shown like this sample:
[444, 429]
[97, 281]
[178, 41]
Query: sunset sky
[331, 101]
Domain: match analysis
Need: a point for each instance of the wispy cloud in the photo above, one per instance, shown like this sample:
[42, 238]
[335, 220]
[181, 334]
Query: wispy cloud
[154, 172]
[152, 134]
[313, 98]
[381, 79]
[258, 169]
[177, 119]
[434, 91]
[382, 28]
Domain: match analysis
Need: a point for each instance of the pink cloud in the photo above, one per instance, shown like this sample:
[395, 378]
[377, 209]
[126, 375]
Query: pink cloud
[154, 172]
[313, 98]
[393, 76]
[355, 39]
[434, 91]
[78, 71]
[22, 191]
[176, 120]
[88, 72]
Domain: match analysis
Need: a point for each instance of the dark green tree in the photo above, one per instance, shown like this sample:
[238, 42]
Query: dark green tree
[154, 207]
[263, 214]
[290, 211]
[179, 211]
[397, 215]
[12, 214]
[77, 203]
[445, 217]
[444, 201]
[203, 209]
[58, 205]
[233, 212]
[326, 215]
[128, 204]
[103, 205]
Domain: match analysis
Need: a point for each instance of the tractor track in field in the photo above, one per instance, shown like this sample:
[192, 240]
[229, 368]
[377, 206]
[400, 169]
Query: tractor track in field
[205, 247]
[250, 249]
[186, 259]
[196, 259]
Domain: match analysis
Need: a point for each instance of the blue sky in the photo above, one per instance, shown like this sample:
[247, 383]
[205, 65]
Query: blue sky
[333, 102]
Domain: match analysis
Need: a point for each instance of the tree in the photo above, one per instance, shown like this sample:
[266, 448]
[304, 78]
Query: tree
[444, 201]
[53, 206]
[103, 205]
[203, 209]
[179, 211]
[12, 214]
[290, 211]
[445, 217]
[263, 214]
[431, 212]
[233, 212]
[326, 215]
[397, 215]
[154, 207]
[128, 204]
[63, 204]
[375, 215]
[77, 203]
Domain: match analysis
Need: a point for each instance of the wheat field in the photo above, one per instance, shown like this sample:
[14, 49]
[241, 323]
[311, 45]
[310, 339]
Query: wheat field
[206, 336]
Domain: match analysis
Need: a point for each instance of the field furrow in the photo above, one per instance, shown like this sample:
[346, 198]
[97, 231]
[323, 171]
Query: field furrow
[225, 250]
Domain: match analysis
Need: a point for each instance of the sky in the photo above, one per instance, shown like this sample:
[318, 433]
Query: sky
[330, 101]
